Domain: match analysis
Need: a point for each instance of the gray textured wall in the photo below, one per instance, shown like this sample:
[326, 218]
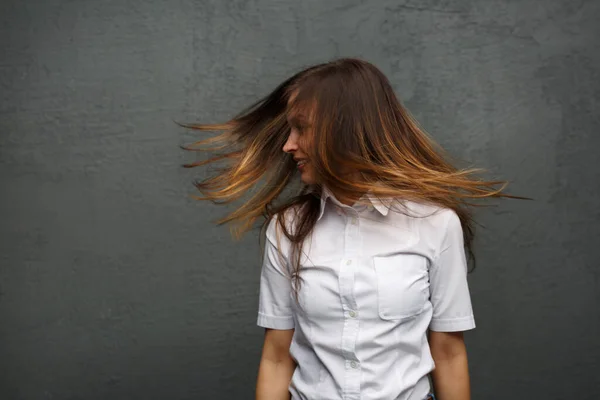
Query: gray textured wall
[115, 285]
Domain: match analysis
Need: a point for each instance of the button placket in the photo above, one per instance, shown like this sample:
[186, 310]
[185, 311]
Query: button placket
[351, 322]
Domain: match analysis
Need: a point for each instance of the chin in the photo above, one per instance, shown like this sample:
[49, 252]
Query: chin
[309, 180]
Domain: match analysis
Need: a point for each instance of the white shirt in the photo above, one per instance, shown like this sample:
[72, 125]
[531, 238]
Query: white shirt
[373, 281]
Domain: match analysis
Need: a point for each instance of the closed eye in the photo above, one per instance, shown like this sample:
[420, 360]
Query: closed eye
[296, 122]
[298, 128]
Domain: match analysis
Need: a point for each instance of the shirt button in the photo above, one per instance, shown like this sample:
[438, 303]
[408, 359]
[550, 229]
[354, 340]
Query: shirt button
[354, 364]
[370, 207]
[353, 221]
[353, 314]
[348, 262]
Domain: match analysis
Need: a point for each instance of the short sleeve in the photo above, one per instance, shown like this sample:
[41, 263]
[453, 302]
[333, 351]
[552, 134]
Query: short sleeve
[274, 304]
[449, 290]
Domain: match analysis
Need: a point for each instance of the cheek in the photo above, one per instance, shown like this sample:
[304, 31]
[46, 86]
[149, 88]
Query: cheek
[305, 145]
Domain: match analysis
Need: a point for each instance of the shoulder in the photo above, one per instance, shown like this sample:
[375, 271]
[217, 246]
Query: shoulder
[284, 221]
[432, 219]
[429, 212]
[437, 227]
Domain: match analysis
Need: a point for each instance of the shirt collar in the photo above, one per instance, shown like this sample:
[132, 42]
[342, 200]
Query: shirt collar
[381, 205]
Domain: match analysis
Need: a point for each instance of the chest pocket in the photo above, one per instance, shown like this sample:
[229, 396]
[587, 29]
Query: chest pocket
[402, 285]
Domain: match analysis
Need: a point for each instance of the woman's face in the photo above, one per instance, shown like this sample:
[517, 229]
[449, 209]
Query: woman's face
[298, 142]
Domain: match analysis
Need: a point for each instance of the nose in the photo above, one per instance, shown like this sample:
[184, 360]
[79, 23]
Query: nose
[291, 144]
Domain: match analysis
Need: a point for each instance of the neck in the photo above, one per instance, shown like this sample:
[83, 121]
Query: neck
[348, 201]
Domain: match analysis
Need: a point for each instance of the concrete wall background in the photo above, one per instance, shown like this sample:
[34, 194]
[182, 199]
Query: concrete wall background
[115, 285]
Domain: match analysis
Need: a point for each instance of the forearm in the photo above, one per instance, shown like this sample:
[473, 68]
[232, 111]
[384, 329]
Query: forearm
[451, 378]
[274, 379]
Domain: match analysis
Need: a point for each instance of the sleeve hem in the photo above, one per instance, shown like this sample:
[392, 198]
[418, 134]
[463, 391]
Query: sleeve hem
[273, 322]
[452, 325]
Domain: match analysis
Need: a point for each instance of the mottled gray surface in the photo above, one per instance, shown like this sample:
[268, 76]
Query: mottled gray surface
[115, 285]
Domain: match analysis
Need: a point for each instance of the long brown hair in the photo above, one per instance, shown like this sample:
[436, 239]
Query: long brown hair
[359, 125]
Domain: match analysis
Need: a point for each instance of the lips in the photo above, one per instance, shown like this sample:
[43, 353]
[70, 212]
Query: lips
[300, 161]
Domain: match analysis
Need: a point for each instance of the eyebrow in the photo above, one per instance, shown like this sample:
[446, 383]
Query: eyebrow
[298, 119]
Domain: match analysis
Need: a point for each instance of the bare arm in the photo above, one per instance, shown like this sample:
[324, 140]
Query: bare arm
[451, 374]
[276, 366]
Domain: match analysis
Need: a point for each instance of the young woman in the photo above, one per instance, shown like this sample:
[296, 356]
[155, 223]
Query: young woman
[363, 289]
